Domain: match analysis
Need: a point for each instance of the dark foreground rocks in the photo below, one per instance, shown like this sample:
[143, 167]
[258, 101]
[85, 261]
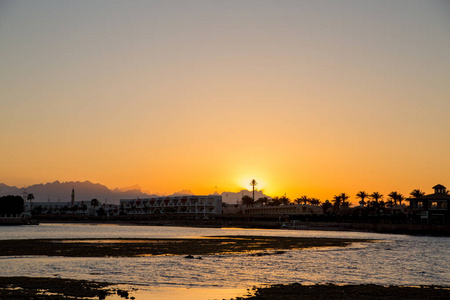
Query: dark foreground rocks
[363, 291]
[37, 288]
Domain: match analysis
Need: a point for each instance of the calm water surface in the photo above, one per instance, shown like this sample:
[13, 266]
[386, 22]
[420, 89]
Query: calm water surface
[394, 260]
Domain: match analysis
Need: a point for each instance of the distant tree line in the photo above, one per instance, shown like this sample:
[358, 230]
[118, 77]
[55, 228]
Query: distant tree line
[371, 203]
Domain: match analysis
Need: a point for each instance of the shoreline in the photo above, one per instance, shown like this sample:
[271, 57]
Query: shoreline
[45, 288]
[414, 230]
[57, 288]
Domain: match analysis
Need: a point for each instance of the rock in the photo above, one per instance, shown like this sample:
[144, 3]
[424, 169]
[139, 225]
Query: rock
[122, 293]
[101, 294]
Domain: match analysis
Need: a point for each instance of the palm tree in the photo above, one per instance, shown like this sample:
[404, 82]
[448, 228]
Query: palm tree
[285, 200]
[253, 183]
[390, 202]
[301, 199]
[336, 202]
[362, 195]
[275, 201]
[30, 198]
[376, 197]
[393, 197]
[375, 203]
[94, 203]
[263, 201]
[417, 193]
[314, 201]
[344, 201]
[247, 200]
[400, 198]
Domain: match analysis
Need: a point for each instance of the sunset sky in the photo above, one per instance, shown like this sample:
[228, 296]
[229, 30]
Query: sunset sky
[308, 97]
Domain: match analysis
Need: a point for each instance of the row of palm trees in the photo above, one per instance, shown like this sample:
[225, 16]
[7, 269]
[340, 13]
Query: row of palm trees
[377, 199]
[374, 200]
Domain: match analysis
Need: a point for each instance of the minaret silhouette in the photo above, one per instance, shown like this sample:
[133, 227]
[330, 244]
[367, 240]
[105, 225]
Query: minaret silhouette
[73, 196]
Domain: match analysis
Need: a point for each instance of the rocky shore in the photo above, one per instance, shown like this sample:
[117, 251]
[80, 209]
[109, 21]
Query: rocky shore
[19, 288]
[297, 291]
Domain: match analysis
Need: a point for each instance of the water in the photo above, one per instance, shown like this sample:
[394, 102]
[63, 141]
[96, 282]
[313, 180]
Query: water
[393, 260]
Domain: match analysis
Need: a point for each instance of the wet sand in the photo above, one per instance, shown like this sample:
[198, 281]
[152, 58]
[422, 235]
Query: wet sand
[149, 247]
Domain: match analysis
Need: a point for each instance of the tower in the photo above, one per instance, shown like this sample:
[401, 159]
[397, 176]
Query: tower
[73, 197]
[440, 189]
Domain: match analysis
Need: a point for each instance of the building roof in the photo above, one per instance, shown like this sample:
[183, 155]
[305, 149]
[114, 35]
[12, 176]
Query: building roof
[439, 186]
[432, 197]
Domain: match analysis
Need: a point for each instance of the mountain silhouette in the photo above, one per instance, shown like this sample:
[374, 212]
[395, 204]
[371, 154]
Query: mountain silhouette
[233, 198]
[86, 191]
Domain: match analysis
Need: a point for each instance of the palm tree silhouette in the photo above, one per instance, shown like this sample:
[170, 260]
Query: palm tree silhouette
[362, 195]
[263, 201]
[336, 202]
[344, 201]
[301, 199]
[400, 198]
[30, 198]
[417, 193]
[376, 204]
[393, 198]
[94, 203]
[275, 201]
[247, 200]
[376, 197]
[285, 200]
[314, 201]
[253, 183]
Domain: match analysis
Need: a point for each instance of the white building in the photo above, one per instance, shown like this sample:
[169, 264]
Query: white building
[198, 205]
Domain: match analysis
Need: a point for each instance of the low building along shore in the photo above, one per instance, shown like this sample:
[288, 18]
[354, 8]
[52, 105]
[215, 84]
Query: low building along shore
[292, 209]
[197, 205]
[432, 209]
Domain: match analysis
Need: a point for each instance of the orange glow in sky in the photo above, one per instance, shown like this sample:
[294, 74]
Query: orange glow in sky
[309, 98]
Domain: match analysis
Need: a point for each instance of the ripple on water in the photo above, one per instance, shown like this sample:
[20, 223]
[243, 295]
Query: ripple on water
[418, 260]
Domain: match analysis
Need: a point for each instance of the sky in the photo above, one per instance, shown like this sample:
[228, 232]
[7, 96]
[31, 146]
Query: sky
[309, 98]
